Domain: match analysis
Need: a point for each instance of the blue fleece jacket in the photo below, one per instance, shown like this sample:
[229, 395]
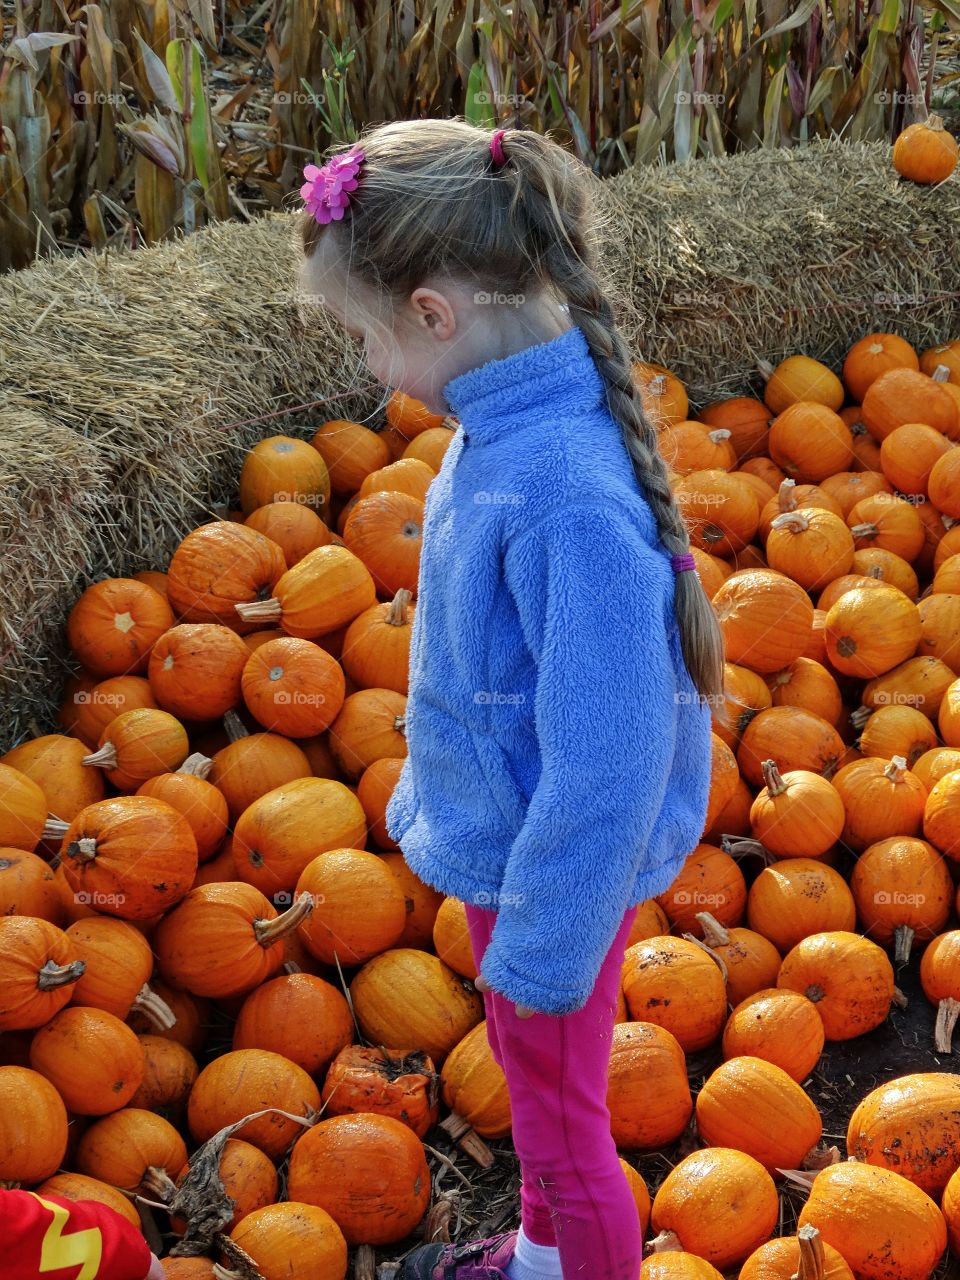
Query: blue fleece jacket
[559, 758]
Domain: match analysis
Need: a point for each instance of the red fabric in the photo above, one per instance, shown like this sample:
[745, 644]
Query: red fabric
[45, 1237]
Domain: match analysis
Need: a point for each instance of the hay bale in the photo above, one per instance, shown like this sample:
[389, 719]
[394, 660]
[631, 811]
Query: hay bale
[771, 253]
[52, 484]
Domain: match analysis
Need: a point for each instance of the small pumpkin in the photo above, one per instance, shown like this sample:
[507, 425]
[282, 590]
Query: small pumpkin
[905, 395]
[920, 683]
[808, 684]
[33, 1126]
[297, 1015]
[55, 763]
[284, 1238]
[124, 1148]
[940, 627]
[351, 452]
[797, 897]
[750, 961]
[39, 967]
[195, 670]
[474, 1086]
[293, 686]
[940, 979]
[192, 1018]
[657, 973]
[294, 527]
[925, 152]
[323, 592]
[940, 825]
[371, 725]
[218, 566]
[908, 455]
[794, 739]
[645, 1051]
[796, 815]
[912, 1126]
[248, 1178]
[282, 469]
[429, 446]
[28, 887]
[169, 1070]
[114, 625]
[800, 379]
[410, 416]
[804, 1256]
[77, 1186]
[138, 745]
[118, 966]
[930, 768]
[810, 441]
[451, 938]
[812, 547]
[376, 647]
[882, 798]
[368, 1171]
[385, 531]
[23, 810]
[199, 801]
[245, 1081]
[694, 446]
[404, 475]
[903, 890]
[869, 632]
[778, 1025]
[721, 511]
[873, 355]
[383, 1082]
[848, 978]
[374, 790]
[421, 900]
[747, 420]
[662, 394]
[94, 708]
[709, 878]
[94, 1060]
[253, 764]
[765, 618]
[358, 910]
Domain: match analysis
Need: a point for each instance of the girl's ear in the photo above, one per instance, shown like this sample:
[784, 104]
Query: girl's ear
[432, 311]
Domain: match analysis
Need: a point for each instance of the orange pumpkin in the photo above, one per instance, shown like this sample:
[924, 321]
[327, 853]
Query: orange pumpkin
[39, 967]
[138, 745]
[23, 810]
[903, 889]
[656, 973]
[744, 694]
[930, 768]
[879, 1222]
[383, 1082]
[77, 1186]
[662, 394]
[925, 152]
[793, 739]
[422, 903]
[385, 531]
[114, 625]
[293, 686]
[254, 764]
[371, 725]
[94, 1061]
[720, 509]
[376, 647]
[284, 1238]
[278, 835]
[897, 731]
[451, 938]
[873, 355]
[795, 497]
[645, 1051]
[847, 488]
[905, 395]
[908, 455]
[124, 1149]
[281, 469]
[882, 798]
[358, 910]
[810, 441]
[134, 856]
[248, 1178]
[351, 452]
[374, 791]
[245, 1081]
[474, 1086]
[199, 801]
[368, 1171]
[405, 996]
[765, 618]
[118, 966]
[720, 1202]
[800, 378]
[223, 939]
[848, 978]
[192, 1018]
[940, 811]
[708, 880]
[33, 1126]
[920, 683]
[693, 446]
[755, 1106]
[751, 961]
[405, 475]
[745, 418]
[868, 632]
[812, 547]
[912, 1126]
[93, 708]
[944, 484]
[323, 592]
[808, 684]
[195, 670]
[430, 446]
[218, 566]
[28, 887]
[55, 764]
[797, 897]
[295, 528]
[940, 979]
[778, 1025]
[410, 416]
[169, 1070]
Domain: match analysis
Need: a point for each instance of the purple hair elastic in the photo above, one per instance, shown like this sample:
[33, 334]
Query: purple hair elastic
[684, 563]
[496, 148]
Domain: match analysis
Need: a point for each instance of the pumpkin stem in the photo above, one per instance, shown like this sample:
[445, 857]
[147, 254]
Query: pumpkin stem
[941, 373]
[815, 992]
[53, 975]
[154, 1009]
[787, 495]
[82, 850]
[54, 828]
[865, 530]
[666, 1242]
[450, 422]
[714, 956]
[812, 1256]
[234, 727]
[876, 571]
[158, 1183]
[714, 934]
[896, 769]
[269, 610]
[469, 1142]
[105, 758]
[197, 765]
[365, 1263]
[397, 613]
[718, 436]
[270, 931]
[947, 1012]
[400, 724]
[899, 998]
[858, 428]
[860, 717]
[436, 1225]
[773, 778]
[903, 937]
[744, 847]
[765, 369]
[795, 521]
[244, 1266]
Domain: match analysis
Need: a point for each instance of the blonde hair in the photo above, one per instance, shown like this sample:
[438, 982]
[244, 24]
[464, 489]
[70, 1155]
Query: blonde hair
[431, 202]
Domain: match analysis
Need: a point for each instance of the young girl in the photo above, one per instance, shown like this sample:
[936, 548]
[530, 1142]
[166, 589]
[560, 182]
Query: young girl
[559, 748]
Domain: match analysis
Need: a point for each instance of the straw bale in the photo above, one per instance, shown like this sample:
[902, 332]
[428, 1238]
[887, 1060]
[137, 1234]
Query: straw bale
[720, 262]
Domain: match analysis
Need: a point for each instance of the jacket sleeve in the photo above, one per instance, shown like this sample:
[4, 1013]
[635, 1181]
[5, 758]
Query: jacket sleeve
[47, 1235]
[593, 597]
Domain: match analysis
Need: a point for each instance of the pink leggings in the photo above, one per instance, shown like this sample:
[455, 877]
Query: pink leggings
[573, 1193]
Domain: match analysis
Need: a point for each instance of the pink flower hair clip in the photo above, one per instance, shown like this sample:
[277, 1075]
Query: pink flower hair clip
[326, 192]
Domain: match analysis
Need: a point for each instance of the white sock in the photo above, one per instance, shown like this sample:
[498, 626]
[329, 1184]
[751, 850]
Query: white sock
[534, 1261]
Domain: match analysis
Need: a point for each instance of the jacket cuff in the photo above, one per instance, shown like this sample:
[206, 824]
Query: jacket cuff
[523, 990]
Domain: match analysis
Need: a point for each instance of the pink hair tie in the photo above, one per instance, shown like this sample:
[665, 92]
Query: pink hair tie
[496, 148]
[684, 563]
[326, 190]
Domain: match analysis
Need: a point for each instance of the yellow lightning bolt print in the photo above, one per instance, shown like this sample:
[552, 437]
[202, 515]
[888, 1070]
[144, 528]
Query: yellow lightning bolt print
[59, 1251]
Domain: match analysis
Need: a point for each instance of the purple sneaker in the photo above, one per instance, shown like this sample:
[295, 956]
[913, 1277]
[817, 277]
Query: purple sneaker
[474, 1260]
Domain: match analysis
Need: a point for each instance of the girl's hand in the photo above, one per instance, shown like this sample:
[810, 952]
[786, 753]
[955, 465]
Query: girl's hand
[156, 1271]
[520, 1010]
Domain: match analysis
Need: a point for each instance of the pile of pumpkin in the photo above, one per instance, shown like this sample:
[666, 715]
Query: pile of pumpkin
[203, 845]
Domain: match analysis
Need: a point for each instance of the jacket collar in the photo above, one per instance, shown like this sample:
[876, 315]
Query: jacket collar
[541, 384]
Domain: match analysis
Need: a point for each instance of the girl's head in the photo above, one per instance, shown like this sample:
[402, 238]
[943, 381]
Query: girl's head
[441, 249]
